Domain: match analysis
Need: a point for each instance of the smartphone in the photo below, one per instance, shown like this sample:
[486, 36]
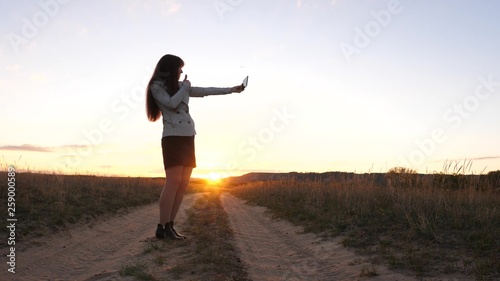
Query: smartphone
[245, 82]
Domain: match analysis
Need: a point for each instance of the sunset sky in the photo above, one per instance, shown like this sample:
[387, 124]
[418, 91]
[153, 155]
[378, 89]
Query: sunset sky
[334, 85]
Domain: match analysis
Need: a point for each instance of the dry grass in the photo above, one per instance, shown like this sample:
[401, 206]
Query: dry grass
[207, 255]
[213, 236]
[51, 201]
[429, 224]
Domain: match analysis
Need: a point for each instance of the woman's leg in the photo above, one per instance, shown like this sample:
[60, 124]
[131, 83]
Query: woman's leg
[168, 196]
[186, 176]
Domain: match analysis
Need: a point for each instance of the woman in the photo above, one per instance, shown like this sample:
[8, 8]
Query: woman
[167, 97]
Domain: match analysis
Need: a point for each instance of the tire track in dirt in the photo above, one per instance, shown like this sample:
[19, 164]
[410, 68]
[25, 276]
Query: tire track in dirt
[276, 250]
[90, 253]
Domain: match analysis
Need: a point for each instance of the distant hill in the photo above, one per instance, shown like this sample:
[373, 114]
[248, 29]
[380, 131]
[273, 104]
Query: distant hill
[492, 179]
[323, 177]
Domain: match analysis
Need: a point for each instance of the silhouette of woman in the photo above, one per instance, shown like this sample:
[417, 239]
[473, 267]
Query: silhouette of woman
[168, 97]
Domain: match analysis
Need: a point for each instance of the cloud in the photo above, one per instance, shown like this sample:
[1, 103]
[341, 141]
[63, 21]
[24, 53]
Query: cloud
[484, 158]
[35, 148]
[26, 147]
[75, 146]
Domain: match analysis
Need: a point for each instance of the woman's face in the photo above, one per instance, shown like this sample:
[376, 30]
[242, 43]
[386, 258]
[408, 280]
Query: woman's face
[179, 72]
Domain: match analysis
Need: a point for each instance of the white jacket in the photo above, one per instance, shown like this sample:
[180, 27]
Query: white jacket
[175, 110]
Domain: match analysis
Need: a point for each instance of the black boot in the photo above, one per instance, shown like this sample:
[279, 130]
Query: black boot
[169, 232]
[160, 232]
[175, 231]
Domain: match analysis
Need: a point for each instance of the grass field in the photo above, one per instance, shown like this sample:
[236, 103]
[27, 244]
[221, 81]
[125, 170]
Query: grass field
[429, 224]
[209, 225]
[46, 202]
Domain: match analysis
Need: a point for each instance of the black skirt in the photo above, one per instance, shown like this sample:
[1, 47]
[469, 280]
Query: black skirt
[178, 151]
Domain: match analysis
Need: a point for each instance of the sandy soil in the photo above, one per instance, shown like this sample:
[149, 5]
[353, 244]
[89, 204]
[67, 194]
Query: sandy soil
[90, 253]
[277, 250]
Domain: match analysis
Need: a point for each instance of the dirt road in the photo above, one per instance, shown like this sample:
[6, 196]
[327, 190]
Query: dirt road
[276, 250]
[90, 253]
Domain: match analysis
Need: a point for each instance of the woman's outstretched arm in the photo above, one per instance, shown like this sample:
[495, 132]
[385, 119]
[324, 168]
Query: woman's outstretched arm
[211, 91]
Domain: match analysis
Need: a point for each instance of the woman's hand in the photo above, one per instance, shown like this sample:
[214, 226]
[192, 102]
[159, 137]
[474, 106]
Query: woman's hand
[238, 89]
[186, 82]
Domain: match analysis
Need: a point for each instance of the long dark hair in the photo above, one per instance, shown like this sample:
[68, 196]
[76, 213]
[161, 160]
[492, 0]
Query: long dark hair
[166, 71]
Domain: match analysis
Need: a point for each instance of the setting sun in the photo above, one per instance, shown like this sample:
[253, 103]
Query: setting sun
[214, 178]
